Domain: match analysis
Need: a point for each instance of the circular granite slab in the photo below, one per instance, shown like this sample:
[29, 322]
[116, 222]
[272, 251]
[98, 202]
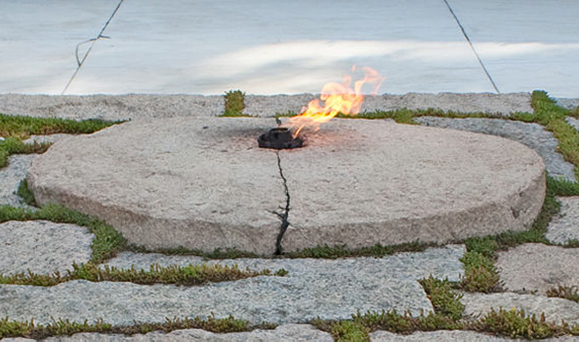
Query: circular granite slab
[203, 183]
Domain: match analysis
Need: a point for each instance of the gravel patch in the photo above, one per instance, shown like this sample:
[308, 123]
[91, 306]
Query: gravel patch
[537, 267]
[530, 134]
[111, 107]
[505, 104]
[288, 332]
[42, 246]
[563, 228]
[10, 178]
[330, 289]
[555, 309]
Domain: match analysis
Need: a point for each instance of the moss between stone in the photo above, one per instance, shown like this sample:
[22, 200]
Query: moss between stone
[512, 323]
[62, 327]
[11, 145]
[190, 275]
[106, 244]
[566, 292]
[444, 299]
[16, 128]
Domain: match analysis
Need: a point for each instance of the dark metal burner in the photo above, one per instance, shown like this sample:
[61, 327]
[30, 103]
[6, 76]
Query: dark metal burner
[279, 138]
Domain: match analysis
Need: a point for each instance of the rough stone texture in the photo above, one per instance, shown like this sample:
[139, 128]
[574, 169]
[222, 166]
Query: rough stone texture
[573, 122]
[42, 246]
[288, 332]
[568, 103]
[362, 182]
[444, 262]
[111, 107]
[555, 309]
[472, 102]
[10, 177]
[530, 134]
[169, 183]
[52, 138]
[454, 335]
[538, 267]
[441, 335]
[564, 228]
[330, 289]
[201, 183]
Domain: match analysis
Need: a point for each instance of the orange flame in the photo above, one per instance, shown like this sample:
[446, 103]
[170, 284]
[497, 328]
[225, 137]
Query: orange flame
[338, 98]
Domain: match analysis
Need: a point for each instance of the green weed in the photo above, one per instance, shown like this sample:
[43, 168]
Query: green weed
[234, 103]
[187, 275]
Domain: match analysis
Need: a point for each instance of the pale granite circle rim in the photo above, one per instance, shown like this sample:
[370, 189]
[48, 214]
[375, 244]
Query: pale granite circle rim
[181, 224]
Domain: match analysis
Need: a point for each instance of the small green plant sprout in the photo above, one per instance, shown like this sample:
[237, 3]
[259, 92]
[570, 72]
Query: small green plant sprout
[234, 103]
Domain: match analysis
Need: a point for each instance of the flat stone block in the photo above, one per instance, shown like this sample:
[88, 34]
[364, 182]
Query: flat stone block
[200, 183]
[10, 177]
[110, 107]
[329, 289]
[287, 332]
[538, 267]
[441, 336]
[555, 309]
[42, 246]
[362, 182]
[505, 104]
[564, 228]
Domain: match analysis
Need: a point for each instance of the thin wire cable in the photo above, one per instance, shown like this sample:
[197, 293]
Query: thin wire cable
[93, 42]
[472, 47]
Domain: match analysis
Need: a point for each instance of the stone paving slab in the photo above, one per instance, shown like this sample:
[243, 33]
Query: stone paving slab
[555, 309]
[442, 262]
[565, 226]
[169, 183]
[257, 105]
[538, 267]
[287, 332]
[573, 122]
[568, 103]
[10, 177]
[106, 107]
[42, 246]
[441, 336]
[330, 289]
[359, 182]
[530, 134]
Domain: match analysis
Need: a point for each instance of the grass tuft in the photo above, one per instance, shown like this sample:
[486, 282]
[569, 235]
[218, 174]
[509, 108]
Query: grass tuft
[63, 327]
[515, 324]
[444, 299]
[190, 275]
[16, 128]
[566, 292]
[228, 253]
[25, 193]
[12, 145]
[234, 103]
[342, 251]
